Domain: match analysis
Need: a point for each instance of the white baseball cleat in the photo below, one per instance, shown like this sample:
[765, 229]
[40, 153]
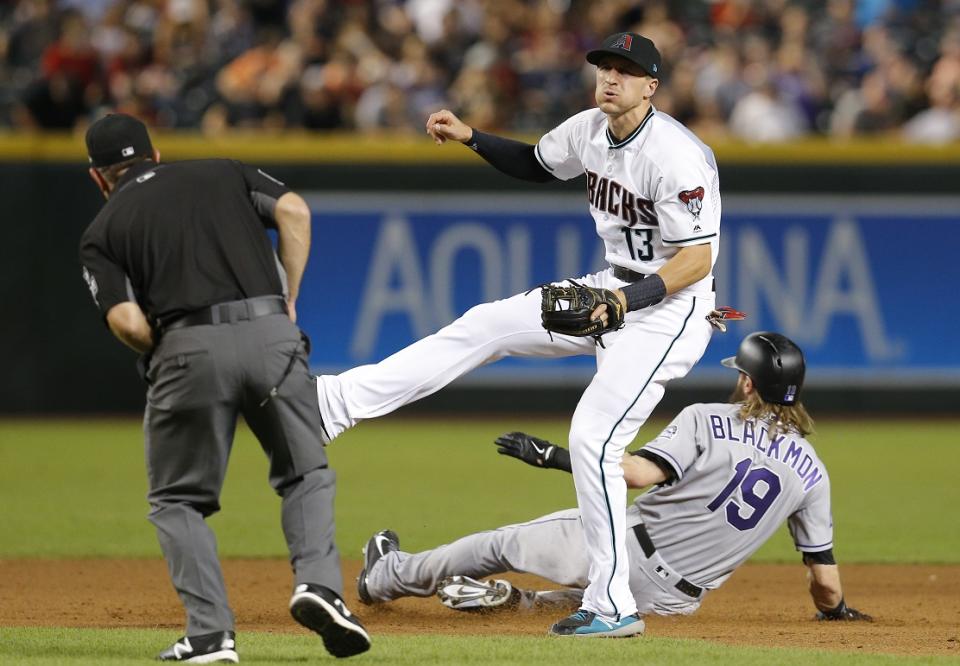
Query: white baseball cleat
[468, 594]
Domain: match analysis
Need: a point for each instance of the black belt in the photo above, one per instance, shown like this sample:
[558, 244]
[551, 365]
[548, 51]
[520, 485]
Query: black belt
[627, 275]
[230, 312]
[649, 549]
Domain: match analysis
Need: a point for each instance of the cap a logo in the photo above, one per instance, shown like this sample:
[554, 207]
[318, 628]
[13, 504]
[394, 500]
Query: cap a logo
[127, 152]
[693, 200]
[623, 42]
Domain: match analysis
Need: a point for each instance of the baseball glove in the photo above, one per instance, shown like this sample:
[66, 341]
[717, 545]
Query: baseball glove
[568, 310]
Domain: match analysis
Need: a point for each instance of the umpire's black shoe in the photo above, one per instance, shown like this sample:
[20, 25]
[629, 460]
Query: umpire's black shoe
[379, 545]
[219, 646]
[322, 611]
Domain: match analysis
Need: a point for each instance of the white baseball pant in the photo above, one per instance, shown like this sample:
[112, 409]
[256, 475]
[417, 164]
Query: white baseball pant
[657, 344]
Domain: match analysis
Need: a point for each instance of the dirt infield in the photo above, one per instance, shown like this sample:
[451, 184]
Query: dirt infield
[917, 607]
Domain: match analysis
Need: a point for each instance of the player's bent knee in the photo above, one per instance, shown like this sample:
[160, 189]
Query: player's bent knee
[169, 506]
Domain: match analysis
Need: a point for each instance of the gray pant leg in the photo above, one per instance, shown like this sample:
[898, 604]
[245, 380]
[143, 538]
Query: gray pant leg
[189, 425]
[190, 550]
[551, 547]
[289, 428]
[307, 514]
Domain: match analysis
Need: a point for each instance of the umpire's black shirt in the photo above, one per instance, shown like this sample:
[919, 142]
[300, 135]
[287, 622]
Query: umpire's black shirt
[182, 236]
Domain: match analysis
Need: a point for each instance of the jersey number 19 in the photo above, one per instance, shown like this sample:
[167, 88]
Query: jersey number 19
[759, 499]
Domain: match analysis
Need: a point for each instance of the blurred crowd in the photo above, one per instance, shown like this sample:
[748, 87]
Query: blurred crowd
[760, 70]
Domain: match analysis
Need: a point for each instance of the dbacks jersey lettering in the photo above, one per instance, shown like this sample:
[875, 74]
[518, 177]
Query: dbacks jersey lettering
[650, 194]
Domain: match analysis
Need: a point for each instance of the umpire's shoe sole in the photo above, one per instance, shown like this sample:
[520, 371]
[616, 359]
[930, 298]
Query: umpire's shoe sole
[320, 610]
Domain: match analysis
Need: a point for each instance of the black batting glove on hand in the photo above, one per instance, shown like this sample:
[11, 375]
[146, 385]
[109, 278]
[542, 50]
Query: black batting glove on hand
[533, 451]
[843, 613]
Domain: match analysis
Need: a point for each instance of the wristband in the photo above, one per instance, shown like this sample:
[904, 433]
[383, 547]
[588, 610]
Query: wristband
[559, 460]
[648, 291]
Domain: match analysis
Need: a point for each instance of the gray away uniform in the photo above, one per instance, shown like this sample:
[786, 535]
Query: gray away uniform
[735, 485]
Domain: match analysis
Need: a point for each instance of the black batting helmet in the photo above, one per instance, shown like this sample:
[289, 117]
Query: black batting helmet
[774, 363]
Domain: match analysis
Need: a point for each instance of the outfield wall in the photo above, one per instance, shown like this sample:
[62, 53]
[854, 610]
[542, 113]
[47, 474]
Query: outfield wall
[849, 251]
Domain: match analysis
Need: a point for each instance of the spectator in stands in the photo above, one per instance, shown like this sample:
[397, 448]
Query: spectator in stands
[69, 84]
[762, 70]
[941, 122]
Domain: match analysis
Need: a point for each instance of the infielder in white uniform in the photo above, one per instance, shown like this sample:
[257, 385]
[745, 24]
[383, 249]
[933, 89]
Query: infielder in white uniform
[729, 475]
[653, 192]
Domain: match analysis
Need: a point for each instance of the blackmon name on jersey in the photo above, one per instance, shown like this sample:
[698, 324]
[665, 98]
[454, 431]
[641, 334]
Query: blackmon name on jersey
[791, 454]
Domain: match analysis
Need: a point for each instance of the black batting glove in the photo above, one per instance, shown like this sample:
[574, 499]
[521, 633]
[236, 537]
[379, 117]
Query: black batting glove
[533, 451]
[843, 613]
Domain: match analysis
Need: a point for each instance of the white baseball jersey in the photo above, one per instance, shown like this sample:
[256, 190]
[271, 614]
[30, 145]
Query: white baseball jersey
[650, 193]
[735, 486]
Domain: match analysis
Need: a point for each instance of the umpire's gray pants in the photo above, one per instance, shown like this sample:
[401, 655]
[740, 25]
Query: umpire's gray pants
[201, 379]
[551, 546]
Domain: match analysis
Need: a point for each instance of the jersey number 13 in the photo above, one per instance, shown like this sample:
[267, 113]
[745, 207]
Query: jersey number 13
[638, 243]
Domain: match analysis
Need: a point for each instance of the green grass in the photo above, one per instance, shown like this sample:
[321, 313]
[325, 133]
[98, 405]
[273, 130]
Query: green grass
[84, 481]
[73, 647]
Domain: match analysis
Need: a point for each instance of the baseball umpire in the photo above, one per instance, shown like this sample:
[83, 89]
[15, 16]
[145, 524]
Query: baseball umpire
[181, 267]
[727, 476]
[653, 191]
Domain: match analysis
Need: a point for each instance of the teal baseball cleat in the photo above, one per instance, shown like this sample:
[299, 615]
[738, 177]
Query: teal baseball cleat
[588, 624]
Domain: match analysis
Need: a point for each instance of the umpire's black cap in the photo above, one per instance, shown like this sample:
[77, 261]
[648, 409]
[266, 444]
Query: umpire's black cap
[774, 363]
[635, 48]
[117, 138]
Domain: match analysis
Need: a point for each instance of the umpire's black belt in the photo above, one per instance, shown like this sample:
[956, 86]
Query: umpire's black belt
[649, 549]
[229, 312]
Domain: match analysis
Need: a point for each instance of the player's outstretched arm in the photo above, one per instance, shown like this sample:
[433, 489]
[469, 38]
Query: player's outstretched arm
[638, 472]
[827, 593]
[514, 158]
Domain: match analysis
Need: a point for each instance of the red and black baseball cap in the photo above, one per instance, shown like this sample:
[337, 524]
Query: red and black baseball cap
[635, 48]
[116, 138]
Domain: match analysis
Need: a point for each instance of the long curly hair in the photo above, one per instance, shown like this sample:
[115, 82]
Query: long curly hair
[781, 418]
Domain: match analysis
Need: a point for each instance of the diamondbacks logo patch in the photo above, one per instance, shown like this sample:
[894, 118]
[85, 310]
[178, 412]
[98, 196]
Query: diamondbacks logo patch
[693, 199]
[623, 42]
